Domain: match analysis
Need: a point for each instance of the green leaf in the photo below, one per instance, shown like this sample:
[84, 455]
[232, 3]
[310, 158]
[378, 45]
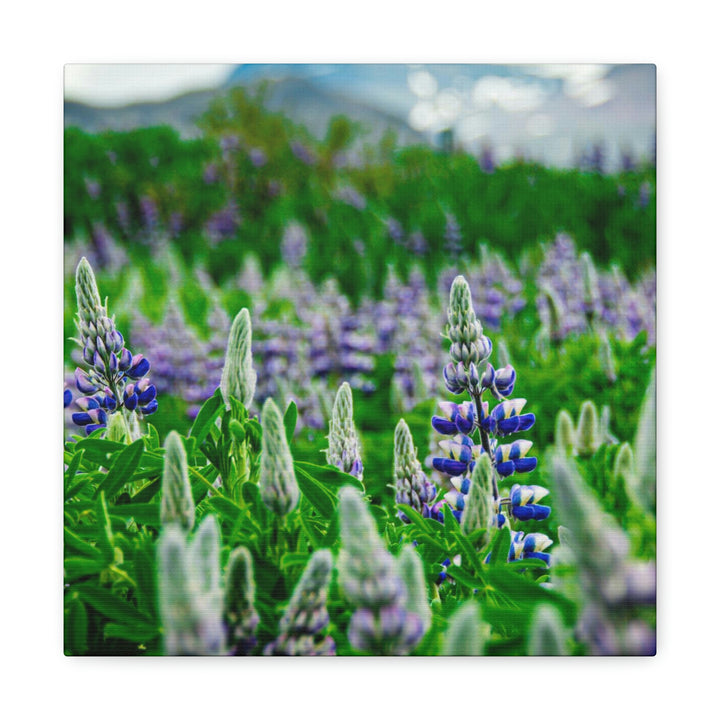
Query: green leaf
[72, 467]
[142, 513]
[76, 627]
[98, 450]
[112, 607]
[78, 567]
[329, 475]
[225, 507]
[205, 419]
[290, 421]
[137, 633]
[293, 559]
[81, 546]
[321, 498]
[500, 547]
[104, 531]
[152, 437]
[122, 468]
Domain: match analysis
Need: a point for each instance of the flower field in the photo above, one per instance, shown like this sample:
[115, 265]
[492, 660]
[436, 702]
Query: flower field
[326, 398]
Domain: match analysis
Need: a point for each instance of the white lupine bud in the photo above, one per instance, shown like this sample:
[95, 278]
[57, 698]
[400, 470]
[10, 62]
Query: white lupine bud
[645, 449]
[411, 571]
[176, 504]
[343, 446]
[588, 430]
[304, 623]
[607, 360]
[278, 486]
[89, 304]
[238, 375]
[565, 432]
[548, 636]
[190, 599]
[466, 634]
[478, 512]
[366, 569]
[240, 615]
[117, 429]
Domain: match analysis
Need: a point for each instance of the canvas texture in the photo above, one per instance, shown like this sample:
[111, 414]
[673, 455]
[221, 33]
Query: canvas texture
[360, 360]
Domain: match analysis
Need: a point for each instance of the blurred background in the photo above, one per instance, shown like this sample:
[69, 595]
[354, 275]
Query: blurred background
[338, 202]
[555, 114]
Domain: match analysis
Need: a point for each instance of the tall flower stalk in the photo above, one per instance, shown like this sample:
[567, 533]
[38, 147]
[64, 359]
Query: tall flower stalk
[471, 373]
[112, 379]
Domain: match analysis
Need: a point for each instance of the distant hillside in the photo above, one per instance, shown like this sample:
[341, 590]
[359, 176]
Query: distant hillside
[301, 100]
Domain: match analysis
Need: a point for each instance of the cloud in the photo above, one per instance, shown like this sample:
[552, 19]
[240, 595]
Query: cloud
[121, 84]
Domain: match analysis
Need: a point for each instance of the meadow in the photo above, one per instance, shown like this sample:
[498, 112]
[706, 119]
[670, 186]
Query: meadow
[333, 398]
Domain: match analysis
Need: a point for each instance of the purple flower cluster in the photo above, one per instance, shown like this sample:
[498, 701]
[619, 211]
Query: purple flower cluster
[567, 305]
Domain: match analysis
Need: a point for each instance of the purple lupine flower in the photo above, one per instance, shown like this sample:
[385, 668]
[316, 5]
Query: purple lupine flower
[257, 156]
[224, 223]
[113, 380]
[303, 153]
[293, 246]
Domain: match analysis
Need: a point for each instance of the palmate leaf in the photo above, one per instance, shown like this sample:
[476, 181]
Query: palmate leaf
[329, 475]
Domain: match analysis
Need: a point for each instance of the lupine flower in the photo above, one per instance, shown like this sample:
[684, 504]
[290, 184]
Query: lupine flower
[466, 634]
[588, 437]
[527, 546]
[238, 375]
[565, 432]
[343, 447]
[548, 637]
[189, 594]
[294, 244]
[114, 379]
[278, 486]
[511, 458]
[614, 588]
[645, 449]
[412, 485]
[303, 627]
[471, 372]
[523, 502]
[239, 614]
[177, 504]
[478, 512]
[369, 576]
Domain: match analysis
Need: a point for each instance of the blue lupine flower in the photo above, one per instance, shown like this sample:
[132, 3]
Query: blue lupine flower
[511, 458]
[523, 499]
[527, 546]
[67, 397]
[456, 418]
[506, 419]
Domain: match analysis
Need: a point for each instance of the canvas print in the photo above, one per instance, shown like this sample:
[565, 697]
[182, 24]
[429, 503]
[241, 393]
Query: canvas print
[359, 360]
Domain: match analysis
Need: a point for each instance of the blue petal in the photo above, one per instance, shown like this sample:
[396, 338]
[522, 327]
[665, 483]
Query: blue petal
[523, 465]
[545, 557]
[524, 512]
[140, 369]
[464, 425]
[145, 397]
[67, 397]
[131, 401]
[449, 467]
[443, 426]
[81, 418]
[150, 408]
[505, 468]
